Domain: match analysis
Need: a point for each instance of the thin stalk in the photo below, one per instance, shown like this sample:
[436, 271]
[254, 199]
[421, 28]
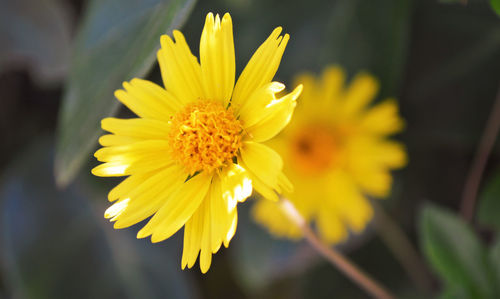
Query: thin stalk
[395, 239]
[335, 258]
[479, 163]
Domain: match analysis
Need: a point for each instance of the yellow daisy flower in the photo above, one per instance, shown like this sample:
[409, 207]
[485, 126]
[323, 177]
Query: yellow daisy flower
[195, 151]
[336, 153]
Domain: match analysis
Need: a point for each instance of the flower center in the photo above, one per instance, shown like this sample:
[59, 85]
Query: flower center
[205, 136]
[314, 149]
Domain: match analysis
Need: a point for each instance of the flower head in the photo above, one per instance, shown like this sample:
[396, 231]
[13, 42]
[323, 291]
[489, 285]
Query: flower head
[336, 152]
[194, 151]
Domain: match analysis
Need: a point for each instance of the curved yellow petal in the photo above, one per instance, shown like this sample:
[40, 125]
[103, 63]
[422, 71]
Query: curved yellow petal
[262, 161]
[277, 116]
[180, 69]
[217, 59]
[258, 104]
[147, 99]
[261, 68]
[178, 208]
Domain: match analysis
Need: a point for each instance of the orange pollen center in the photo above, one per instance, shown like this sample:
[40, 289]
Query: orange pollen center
[205, 136]
[314, 149]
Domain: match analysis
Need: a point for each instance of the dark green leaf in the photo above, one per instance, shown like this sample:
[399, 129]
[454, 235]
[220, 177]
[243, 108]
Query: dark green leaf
[57, 244]
[495, 4]
[489, 204]
[454, 252]
[117, 41]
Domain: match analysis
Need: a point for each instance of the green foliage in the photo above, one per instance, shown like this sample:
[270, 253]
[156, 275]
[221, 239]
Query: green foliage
[117, 41]
[55, 243]
[495, 4]
[489, 204]
[455, 253]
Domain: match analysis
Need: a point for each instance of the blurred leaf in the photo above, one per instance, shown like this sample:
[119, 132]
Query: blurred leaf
[454, 252]
[370, 35]
[489, 204]
[35, 34]
[57, 245]
[495, 4]
[117, 41]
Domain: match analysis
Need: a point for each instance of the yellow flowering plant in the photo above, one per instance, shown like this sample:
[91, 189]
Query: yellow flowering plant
[195, 150]
[337, 153]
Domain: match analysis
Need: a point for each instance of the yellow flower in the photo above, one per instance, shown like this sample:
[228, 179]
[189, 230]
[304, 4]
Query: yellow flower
[336, 153]
[195, 151]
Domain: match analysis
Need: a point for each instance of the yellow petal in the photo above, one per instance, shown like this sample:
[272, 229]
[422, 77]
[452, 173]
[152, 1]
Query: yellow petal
[149, 196]
[330, 227]
[147, 99]
[205, 248]
[255, 108]
[131, 152]
[277, 116]
[180, 70]
[284, 183]
[114, 140]
[261, 187]
[233, 222]
[223, 212]
[382, 119]
[391, 153]
[193, 231]
[217, 58]
[236, 185]
[262, 161]
[261, 67]
[348, 202]
[123, 189]
[360, 93]
[218, 210]
[137, 128]
[269, 214]
[178, 208]
[330, 88]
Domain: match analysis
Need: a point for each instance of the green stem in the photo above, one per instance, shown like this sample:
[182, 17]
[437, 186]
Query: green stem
[335, 258]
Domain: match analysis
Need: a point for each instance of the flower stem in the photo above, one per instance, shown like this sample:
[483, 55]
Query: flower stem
[334, 257]
[479, 163]
[397, 242]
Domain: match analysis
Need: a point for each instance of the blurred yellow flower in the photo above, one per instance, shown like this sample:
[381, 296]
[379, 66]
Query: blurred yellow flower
[195, 151]
[336, 153]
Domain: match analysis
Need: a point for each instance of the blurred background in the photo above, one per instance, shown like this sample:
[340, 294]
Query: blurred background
[60, 61]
